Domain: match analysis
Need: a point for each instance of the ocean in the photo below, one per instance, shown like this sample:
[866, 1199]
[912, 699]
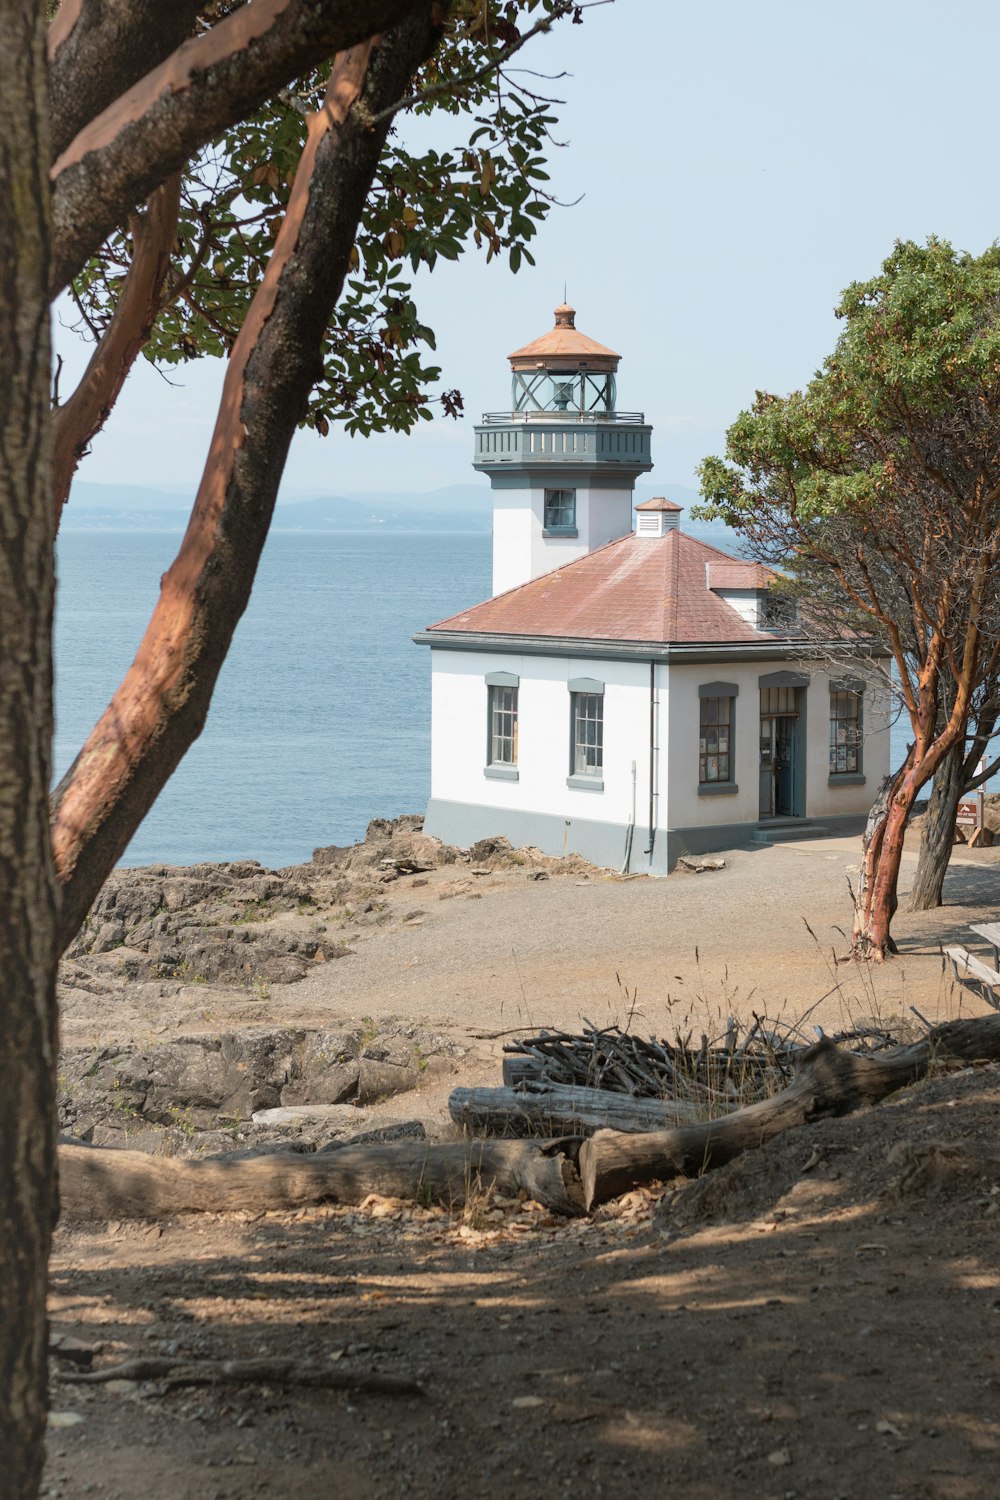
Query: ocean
[321, 716]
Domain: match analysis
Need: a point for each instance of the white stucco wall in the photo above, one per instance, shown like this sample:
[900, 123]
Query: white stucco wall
[687, 809]
[459, 735]
[459, 741]
[521, 551]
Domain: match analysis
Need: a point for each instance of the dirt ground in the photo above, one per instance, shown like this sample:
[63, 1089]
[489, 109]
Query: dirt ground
[819, 1318]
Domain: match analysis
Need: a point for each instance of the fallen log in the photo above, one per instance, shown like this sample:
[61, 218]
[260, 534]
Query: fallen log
[828, 1081]
[107, 1183]
[562, 1109]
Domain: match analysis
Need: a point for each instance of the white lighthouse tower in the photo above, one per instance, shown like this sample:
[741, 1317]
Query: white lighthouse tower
[563, 461]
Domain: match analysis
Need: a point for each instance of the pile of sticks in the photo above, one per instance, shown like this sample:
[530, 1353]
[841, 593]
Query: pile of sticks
[565, 1083]
[731, 1067]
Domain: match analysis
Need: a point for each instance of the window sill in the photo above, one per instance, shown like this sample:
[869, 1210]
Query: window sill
[717, 789]
[556, 531]
[586, 783]
[848, 778]
[501, 773]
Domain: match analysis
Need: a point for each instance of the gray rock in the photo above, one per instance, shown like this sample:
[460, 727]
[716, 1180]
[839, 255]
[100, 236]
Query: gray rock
[306, 1114]
[110, 935]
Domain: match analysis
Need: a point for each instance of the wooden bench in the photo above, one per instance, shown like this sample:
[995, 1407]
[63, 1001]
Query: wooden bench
[991, 932]
[969, 969]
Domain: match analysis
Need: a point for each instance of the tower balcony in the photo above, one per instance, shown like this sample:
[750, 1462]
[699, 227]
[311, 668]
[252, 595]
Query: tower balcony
[618, 441]
[498, 418]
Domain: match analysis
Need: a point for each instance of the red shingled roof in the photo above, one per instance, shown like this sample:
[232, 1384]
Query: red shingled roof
[633, 589]
[733, 574]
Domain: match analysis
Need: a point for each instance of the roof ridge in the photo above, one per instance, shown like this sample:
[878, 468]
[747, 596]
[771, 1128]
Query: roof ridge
[725, 556]
[673, 592]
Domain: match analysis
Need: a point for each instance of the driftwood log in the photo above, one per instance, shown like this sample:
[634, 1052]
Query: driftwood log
[828, 1081]
[567, 1175]
[561, 1109]
[100, 1183]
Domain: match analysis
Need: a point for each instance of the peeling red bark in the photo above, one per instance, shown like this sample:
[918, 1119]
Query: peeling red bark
[63, 25]
[876, 901]
[126, 152]
[100, 48]
[78, 420]
[161, 705]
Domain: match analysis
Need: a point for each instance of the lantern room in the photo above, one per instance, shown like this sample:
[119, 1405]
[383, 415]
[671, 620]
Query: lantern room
[565, 372]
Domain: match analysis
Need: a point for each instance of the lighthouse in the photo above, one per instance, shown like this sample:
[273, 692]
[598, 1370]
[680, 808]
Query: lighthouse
[563, 460]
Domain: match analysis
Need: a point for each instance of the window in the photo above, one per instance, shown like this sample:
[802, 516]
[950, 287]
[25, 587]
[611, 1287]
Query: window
[503, 726]
[588, 734]
[776, 612]
[845, 732]
[715, 744]
[777, 701]
[560, 511]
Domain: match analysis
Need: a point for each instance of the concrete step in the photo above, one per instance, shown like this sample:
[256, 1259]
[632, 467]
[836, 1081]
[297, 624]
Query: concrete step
[786, 831]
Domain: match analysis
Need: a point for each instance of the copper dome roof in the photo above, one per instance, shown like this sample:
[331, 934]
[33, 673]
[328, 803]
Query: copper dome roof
[564, 343]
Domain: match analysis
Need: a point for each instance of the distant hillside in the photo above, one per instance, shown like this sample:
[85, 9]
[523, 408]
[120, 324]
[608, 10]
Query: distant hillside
[458, 507]
[455, 507]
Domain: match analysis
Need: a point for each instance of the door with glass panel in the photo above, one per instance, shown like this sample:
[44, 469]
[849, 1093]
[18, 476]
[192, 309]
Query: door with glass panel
[779, 753]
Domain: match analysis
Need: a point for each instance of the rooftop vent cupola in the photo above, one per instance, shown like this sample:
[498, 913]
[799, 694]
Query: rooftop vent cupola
[564, 371]
[563, 460]
[657, 516]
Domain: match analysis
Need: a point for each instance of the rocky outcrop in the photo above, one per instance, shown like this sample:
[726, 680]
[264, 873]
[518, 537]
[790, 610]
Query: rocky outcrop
[187, 1092]
[240, 924]
[398, 845]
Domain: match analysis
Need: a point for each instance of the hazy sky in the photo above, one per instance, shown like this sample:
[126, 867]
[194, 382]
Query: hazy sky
[739, 164]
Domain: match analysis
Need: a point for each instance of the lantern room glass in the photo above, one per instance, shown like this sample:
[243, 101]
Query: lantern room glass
[573, 392]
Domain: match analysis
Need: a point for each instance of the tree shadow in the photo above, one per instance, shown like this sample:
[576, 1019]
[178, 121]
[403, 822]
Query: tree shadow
[790, 1324]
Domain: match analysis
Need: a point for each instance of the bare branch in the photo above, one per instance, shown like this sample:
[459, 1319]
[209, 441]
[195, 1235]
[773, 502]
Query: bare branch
[453, 85]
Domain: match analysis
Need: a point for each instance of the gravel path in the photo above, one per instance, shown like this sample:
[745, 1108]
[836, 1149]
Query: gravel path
[515, 952]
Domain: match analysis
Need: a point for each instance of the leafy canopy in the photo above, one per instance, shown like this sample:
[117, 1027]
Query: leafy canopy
[488, 191]
[905, 412]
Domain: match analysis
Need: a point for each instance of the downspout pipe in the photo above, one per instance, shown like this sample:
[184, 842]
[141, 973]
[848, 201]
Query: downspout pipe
[652, 757]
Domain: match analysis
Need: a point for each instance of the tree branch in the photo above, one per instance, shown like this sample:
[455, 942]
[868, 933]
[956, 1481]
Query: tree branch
[123, 155]
[449, 86]
[100, 48]
[160, 707]
[75, 424]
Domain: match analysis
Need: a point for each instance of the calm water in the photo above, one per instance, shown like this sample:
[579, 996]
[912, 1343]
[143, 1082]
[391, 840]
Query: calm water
[321, 717]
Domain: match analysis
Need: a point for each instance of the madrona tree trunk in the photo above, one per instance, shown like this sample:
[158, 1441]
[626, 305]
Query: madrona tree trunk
[938, 833]
[873, 916]
[27, 884]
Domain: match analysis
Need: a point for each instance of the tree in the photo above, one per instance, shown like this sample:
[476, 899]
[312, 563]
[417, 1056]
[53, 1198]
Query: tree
[882, 479]
[956, 776]
[142, 95]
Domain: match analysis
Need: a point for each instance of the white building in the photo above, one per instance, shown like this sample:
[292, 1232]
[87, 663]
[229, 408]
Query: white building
[628, 695]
